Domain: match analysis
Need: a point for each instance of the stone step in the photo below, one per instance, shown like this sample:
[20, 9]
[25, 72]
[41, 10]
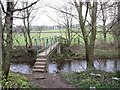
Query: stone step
[41, 60]
[40, 63]
[39, 66]
[41, 55]
[38, 70]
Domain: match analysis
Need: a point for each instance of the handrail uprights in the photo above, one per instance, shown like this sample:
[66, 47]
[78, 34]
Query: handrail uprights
[46, 43]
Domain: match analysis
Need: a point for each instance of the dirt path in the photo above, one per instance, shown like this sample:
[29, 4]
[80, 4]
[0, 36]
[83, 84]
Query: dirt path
[48, 80]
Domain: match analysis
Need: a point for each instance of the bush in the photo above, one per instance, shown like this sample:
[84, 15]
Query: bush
[16, 81]
[117, 73]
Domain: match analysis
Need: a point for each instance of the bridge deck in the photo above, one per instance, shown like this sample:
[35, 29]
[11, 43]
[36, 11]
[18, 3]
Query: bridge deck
[41, 61]
[47, 51]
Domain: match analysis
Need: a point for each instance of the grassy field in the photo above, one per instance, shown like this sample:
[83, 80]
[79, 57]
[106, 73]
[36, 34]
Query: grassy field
[20, 38]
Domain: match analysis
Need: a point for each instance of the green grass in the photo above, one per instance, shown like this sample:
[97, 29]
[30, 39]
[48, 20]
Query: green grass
[90, 78]
[106, 53]
[21, 40]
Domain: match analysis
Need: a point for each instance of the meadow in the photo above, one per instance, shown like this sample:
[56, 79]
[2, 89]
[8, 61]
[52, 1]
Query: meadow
[19, 38]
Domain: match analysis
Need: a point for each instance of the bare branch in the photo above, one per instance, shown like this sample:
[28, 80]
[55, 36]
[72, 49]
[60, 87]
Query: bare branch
[20, 17]
[63, 11]
[25, 7]
[3, 7]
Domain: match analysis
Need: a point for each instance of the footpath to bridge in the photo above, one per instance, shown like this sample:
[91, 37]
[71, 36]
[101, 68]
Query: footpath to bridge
[41, 64]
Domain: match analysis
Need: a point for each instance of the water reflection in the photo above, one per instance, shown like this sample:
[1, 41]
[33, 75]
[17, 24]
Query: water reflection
[22, 68]
[65, 66]
[107, 65]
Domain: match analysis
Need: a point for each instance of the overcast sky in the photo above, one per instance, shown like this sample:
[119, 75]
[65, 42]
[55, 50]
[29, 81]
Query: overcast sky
[41, 16]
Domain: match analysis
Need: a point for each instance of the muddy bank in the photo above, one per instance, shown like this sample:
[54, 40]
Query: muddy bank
[22, 61]
[31, 61]
[83, 58]
[21, 55]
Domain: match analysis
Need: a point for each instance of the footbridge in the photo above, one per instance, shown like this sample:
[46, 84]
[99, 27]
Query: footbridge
[49, 45]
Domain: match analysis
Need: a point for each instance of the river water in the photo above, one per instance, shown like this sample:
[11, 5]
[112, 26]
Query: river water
[65, 66]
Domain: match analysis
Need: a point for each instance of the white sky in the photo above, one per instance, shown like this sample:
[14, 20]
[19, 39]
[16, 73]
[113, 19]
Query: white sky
[41, 15]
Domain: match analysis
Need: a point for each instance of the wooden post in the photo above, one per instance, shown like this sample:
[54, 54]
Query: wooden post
[36, 45]
[58, 49]
[43, 42]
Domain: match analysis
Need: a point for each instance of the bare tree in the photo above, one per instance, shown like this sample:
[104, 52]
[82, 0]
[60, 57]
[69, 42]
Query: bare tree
[26, 29]
[104, 17]
[8, 28]
[115, 15]
[88, 36]
[68, 22]
[65, 20]
[107, 13]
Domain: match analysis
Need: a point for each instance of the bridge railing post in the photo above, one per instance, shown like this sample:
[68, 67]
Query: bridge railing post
[54, 39]
[50, 43]
[46, 45]
[36, 45]
[43, 42]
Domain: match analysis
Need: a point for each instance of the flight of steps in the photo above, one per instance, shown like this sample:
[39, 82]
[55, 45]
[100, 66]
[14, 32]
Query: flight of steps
[40, 64]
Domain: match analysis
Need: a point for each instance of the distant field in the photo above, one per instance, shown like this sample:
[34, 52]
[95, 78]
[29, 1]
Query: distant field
[34, 35]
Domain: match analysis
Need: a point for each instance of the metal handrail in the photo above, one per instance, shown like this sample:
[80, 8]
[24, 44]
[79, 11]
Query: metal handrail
[46, 43]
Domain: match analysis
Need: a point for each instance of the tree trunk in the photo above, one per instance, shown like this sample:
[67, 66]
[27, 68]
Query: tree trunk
[28, 29]
[29, 37]
[89, 38]
[1, 41]
[104, 32]
[89, 57]
[25, 37]
[104, 22]
[26, 22]
[105, 37]
[90, 46]
[9, 41]
[119, 30]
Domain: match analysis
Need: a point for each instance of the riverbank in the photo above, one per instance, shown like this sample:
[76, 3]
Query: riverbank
[92, 78]
[75, 52]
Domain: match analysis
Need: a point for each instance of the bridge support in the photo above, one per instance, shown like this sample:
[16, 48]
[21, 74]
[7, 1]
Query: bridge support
[58, 49]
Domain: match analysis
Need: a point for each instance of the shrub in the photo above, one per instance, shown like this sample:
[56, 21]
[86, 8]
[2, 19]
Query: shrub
[16, 81]
[117, 73]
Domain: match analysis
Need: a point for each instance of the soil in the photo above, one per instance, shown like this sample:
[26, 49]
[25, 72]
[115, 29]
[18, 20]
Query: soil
[48, 80]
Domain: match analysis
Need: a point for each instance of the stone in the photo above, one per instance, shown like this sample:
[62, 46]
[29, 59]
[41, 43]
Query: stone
[41, 77]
